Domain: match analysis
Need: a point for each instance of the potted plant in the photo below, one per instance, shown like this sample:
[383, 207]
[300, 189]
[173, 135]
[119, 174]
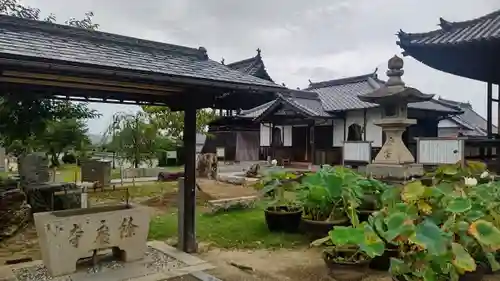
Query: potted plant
[350, 250]
[370, 202]
[329, 197]
[281, 214]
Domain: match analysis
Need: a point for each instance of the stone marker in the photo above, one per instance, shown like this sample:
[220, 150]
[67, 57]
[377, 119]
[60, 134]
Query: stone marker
[66, 236]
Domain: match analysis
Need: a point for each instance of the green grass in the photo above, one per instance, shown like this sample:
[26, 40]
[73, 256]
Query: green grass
[138, 191]
[245, 229]
[68, 172]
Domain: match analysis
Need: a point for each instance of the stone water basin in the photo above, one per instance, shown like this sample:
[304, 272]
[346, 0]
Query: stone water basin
[69, 235]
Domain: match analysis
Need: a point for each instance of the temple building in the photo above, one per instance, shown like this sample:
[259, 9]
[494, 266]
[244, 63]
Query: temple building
[310, 125]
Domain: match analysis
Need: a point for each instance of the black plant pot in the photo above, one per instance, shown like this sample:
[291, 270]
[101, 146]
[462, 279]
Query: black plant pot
[343, 270]
[363, 215]
[383, 262]
[283, 218]
[427, 181]
[319, 229]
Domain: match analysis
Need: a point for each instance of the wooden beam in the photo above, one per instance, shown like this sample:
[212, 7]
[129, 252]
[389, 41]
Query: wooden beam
[101, 82]
[80, 86]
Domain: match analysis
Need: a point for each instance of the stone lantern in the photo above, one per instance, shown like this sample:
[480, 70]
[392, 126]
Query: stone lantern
[394, 159]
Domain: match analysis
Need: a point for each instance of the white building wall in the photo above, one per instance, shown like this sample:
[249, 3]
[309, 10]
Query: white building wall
[373, 132]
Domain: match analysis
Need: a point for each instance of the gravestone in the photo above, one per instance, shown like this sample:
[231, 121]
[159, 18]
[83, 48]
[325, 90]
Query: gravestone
[35, 182]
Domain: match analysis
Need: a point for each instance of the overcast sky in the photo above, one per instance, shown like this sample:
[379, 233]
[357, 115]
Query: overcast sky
[300, 39]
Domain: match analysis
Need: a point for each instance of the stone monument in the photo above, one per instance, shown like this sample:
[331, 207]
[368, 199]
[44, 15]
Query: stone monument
[39, 190]
[395, 161]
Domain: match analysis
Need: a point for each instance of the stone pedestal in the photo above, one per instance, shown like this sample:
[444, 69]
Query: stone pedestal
[395, 171]
[394, 160]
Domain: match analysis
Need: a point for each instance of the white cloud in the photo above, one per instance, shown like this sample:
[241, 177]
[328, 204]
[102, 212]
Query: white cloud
[300, 40]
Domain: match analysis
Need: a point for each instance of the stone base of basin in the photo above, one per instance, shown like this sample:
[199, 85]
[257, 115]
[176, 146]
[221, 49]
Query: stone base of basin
[394, 171]
[69, 235]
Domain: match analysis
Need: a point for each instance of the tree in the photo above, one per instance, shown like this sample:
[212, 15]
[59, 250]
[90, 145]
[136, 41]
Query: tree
[172, 122]
[28, 111]
[134, 137]
[62, 136]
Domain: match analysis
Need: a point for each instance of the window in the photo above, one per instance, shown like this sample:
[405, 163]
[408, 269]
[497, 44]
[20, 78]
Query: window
[354, 133]
[277, 140]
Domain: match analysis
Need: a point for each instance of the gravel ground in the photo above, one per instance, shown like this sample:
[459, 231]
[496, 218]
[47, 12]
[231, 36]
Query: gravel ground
[154, 262]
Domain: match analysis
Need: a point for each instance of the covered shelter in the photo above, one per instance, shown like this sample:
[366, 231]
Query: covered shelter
[467, 49]
[61, 62]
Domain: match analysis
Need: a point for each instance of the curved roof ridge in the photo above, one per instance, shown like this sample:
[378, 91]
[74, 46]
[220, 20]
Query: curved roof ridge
[447, 26]
[341, 81]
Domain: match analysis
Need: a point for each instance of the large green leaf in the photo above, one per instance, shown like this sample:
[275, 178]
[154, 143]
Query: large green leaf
[372, 246]
[346, 236]
[462, 260]
[432, 238]
[486, 234]
[413, 191]
[398, 226]
[459, 205]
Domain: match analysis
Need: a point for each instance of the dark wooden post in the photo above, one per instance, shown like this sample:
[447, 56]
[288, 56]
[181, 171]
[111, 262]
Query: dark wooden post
[313, 146]
[497, 154]
[187, 241]
[489, 115]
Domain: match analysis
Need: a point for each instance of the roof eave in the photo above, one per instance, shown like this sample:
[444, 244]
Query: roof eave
[93, 69]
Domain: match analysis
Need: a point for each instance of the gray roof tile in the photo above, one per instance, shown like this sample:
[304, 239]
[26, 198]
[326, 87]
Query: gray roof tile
[306, 102]
[484, 28]
[53, 42]
[342, 94]
[253, 66]
[475, 124]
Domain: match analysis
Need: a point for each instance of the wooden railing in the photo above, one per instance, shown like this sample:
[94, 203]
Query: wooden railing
[357, 151]
[438, 151]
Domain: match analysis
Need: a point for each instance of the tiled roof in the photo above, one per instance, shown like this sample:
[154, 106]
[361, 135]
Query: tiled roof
[37, 40]
[256, 111]
[474, 123]
[253, 66]
[481, 29]
[307, 103]
[342, 94]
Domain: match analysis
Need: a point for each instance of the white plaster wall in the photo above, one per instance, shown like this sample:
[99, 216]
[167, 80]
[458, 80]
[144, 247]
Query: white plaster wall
[446, 123]
[373, 132]
[338, 132]
[265, 134]
[287, 135]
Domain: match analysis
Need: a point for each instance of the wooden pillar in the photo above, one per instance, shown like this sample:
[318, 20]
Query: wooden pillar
[313, 146]
[187, 236]
[489, 115]
[364, 124]
[497, 154]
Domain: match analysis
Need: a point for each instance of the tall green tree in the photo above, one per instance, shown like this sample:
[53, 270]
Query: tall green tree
[134, 138]
[171, 123]
[28, 115]
[64, 135]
